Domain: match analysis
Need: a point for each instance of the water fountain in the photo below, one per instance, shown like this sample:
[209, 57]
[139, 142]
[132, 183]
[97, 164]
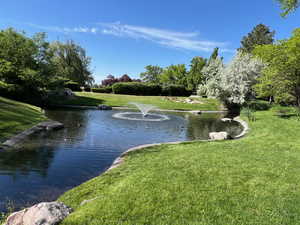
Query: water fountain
[143, 115]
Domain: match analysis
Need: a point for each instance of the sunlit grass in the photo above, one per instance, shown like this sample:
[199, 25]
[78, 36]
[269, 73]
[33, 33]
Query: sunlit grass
[254, 180]
[93, 99]
[16, 116]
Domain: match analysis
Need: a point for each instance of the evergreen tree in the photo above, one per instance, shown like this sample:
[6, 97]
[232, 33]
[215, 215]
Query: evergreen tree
[214, 54]
[260, 35]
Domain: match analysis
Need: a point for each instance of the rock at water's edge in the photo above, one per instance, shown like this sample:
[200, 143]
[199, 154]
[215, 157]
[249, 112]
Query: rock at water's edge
[218, 135]
[45, 213]
[104, 107]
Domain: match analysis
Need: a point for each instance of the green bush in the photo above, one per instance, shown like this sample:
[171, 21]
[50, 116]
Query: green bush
[74, 86]
[87, 89]
[258, 105]
[102, 90]
[175, 90]
[136, 88]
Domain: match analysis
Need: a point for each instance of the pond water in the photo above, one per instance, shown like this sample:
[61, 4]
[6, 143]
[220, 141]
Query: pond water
[51, 163]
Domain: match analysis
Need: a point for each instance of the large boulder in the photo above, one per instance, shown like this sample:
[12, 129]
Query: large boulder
[45, 213]
[218, 135]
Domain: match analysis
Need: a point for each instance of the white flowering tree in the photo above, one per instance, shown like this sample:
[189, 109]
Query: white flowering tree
[232, 84]
[211, 74]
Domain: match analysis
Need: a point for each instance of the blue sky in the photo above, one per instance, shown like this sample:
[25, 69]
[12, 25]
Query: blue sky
[123, 36]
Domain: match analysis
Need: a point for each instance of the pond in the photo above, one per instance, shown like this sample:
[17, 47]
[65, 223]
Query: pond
[51, 163]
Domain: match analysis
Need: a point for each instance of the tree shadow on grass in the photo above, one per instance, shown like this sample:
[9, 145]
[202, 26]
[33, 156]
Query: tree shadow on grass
[76, 100]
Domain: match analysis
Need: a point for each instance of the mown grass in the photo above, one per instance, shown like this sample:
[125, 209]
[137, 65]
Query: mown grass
[16, 116]
[251, 181]
[93, 99]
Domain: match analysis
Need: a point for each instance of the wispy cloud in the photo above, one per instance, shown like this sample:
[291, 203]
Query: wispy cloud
[174, 39]
[65, 29]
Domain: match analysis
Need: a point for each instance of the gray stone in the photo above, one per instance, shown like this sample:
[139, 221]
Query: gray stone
[104, 107]
[45, 213]
[218, 135]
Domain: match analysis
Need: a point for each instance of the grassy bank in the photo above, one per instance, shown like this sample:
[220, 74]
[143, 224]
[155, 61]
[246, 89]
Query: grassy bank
[93, 99]
[16, 116]
[254, 180]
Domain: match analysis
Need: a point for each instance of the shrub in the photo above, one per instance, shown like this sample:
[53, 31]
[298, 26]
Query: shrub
[74, 86]
[102, 90]
[87, 89]
[176, 90]
[136, 88]
[258, 105]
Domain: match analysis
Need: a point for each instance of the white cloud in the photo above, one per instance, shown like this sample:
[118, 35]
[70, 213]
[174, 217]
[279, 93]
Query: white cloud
[65, 29]
[174, 39]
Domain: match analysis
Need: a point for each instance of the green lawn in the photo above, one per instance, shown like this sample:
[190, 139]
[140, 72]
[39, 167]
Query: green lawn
[250, 181]
[16, 116]
[93, 99]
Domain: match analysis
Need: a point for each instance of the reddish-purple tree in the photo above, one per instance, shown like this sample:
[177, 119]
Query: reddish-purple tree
[125, 78]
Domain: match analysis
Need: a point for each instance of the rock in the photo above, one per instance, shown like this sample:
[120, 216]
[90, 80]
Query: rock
[45, 213]
[226, 119]
[218, 135]
[104, 107]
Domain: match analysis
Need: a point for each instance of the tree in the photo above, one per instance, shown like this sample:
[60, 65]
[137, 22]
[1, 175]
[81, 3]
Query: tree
[71, 62]
[152, 74]
[281, 78]
[18, 64]
[195, 76]
[214, 54]
[211, 74]
[260, 35]
[288, 6]
[124, 78]
[174, 74]
[231, 84]
[238, 77]
[110, 80]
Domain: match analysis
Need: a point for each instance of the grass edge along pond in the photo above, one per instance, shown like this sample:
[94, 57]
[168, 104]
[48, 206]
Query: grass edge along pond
[16, 117]
[162, 102]
[253, 180]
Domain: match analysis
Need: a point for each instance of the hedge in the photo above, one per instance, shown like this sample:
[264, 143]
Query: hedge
[102, 90]
[136, 88]
[175, 90]
[74, 86]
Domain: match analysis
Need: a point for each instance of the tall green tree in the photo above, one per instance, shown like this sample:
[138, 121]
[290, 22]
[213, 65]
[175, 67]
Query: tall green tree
[18, 63]
[288, 6]
[214, 54]
[281, 78]
[152, 74]
[174, 74]
[260, 35]
[195, 76]
[70, 61]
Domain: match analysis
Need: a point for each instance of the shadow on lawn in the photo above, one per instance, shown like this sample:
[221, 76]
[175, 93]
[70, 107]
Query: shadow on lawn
[76, 100]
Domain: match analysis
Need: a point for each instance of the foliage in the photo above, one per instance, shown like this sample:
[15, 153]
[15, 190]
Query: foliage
[195, 76]
[110, 80]
[260, 35]
[281, 78]
[258, 105]
[74, 86]
[152, 74]
[211, 74]
[102, 90]
[71, 62]
[174, 74]
[232, 84]
[175, 90]
[214, 55]
[136, 88]
[288, 6]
